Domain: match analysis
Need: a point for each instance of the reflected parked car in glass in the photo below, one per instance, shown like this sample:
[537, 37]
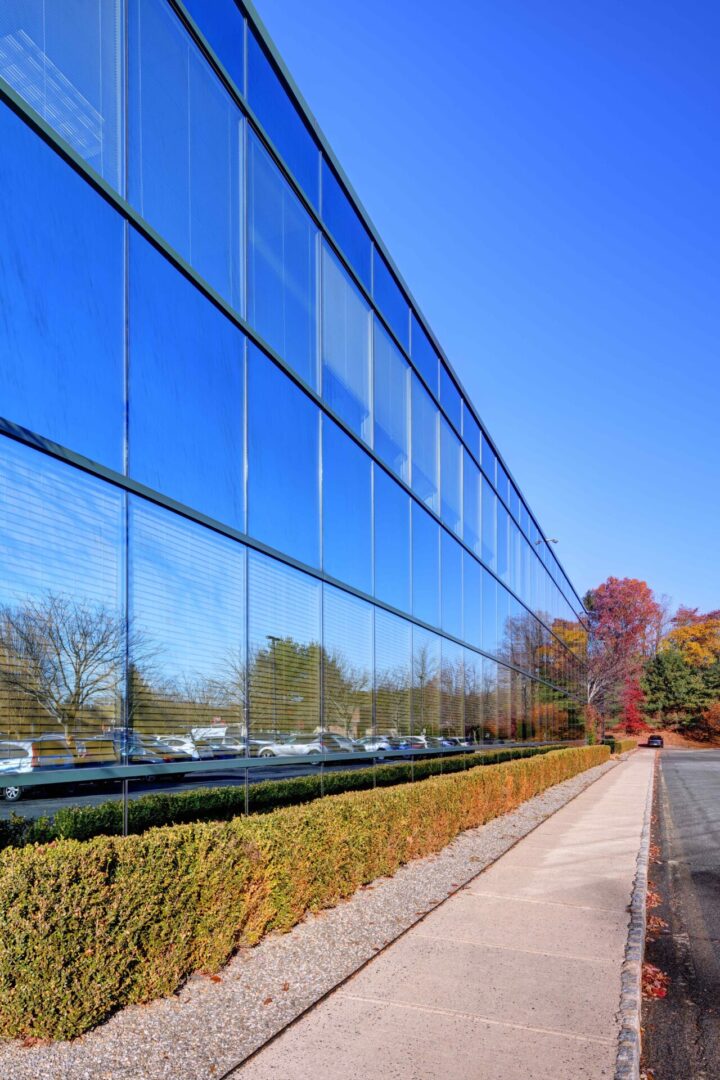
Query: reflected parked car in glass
[225, 747]
[304, 745]
[259, 740]
[184, 746]
[47, 752]
[372, 744]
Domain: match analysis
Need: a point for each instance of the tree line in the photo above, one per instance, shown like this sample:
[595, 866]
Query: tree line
[648, 667]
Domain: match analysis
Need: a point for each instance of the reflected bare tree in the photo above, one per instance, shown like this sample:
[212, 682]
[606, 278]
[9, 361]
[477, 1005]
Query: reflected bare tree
[64, 658]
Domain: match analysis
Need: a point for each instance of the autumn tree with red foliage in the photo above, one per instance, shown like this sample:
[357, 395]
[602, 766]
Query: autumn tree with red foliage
[632, 703]
[626, 627]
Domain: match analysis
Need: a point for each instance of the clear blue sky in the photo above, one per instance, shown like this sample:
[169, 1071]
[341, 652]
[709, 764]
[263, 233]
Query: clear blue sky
[546, 176]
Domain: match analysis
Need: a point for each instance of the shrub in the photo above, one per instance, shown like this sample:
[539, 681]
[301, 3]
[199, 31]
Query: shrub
[223, 803]
[619, 746]
[91, 926]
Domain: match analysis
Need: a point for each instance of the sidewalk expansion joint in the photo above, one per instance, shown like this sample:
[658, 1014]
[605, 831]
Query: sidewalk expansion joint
[511, 948]
[549, 903]
[478, 1017]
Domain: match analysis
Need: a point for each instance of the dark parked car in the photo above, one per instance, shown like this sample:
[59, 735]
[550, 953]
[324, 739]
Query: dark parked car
[656, 740]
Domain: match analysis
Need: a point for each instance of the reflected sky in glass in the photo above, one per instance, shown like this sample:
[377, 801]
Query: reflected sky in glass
[392, 542]
[73, 79]
[186, 390]
[281, 265]
[451, 556]
[346, 381]
[279, 117]
[347, 509]
[187, 597]
[426, 566]
[62, 307]
[283, 462]
[185, 147]
[61, 531]
[392, 404]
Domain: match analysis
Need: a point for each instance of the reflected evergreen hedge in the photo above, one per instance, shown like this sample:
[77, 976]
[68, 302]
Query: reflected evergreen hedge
[223, 803]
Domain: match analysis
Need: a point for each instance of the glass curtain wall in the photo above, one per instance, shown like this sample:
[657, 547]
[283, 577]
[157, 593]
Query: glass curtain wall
[289, 527]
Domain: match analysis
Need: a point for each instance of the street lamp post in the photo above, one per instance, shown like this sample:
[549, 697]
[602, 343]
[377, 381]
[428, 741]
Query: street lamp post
[273, 642]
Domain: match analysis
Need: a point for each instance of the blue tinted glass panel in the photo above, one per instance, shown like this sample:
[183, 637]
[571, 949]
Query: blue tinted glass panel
[425, 419]
[224, 27]
[424, 356]
[390, 300]
[345, 226]
[392, 406]
[392, 542]
[514, 502]
[502, 543]
[185, 145]
[451, 498]
[452, 691]
[346, 382]
[503, 611]
[65, 58]
[471, 504]
[281, 120]
[426, 683]
[502, 483]
[489, 503]
[488, 460]
[473, 697]
[471, 432]
[347, 509]
[186, 390]
[62, 634]
[283, 652]
[515, 543]
[489, 613]
[281, 266]
[488, 697]
[426, 566]
[524, 521]
[62, 289]
[450, 398]
[451, 555]
[283, 462]
[187, 608]
[393, 674]
[347, 665]
[472, 601]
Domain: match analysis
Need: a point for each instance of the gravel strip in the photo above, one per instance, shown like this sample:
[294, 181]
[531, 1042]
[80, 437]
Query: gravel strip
[210, 1026]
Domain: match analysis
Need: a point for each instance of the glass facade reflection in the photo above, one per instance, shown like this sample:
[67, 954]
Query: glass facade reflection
[246, 508]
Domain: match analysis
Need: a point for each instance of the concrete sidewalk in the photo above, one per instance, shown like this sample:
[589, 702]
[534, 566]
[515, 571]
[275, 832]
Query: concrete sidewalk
[515, 976]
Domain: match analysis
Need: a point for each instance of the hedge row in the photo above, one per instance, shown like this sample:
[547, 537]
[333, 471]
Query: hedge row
[224, 803]
[91, 926]
[620, 746]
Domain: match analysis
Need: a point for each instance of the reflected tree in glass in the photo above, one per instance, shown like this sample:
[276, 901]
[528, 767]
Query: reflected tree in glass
[426, 683]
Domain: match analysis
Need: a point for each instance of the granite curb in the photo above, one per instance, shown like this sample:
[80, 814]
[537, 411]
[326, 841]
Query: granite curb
[627, 1064]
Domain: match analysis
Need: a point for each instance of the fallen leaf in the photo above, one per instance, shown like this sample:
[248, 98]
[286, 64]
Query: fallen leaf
[655, 982]
[267, 1001]
[215, 978]
[286, 986]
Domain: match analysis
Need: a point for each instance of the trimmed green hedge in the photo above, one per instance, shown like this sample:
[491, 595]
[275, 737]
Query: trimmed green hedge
[88, 927]
[620, 746]
[224, 803]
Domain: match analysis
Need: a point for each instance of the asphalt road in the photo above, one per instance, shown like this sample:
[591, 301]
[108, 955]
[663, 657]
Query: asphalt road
[681, 1039]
